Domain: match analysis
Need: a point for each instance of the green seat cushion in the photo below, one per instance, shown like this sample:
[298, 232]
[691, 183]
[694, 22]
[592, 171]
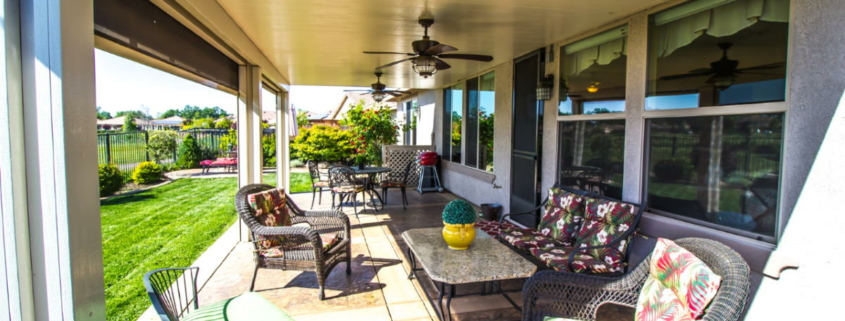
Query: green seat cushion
[247, 306]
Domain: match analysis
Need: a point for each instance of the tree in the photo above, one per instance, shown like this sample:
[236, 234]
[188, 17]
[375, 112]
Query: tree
[102, 114]
[189, 153]
[134, 114]
[301, 120]
[129, 125]
[223, 123]
[162, 145]
[322, 143]
[371, 128]
[169, 113]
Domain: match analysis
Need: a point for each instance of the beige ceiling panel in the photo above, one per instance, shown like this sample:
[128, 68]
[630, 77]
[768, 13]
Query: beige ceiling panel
[320, 42]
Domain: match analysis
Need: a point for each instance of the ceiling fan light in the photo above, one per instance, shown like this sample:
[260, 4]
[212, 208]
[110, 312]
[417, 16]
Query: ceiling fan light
[378, 96]
[721, 82]
[593, 88]
[425, 66]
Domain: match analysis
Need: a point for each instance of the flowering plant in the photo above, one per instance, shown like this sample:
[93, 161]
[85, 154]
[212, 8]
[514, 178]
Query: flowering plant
[371, 128]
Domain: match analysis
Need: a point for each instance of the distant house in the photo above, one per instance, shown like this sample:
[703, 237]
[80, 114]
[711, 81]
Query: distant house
[174, 122]
[353, 98]
[111, 124]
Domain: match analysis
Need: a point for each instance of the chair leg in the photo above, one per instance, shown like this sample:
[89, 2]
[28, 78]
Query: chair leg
[404, 198]
[320, 201]
[254, 274]
[384, 192]
[348, 259]
[313, 195]
[355, 204]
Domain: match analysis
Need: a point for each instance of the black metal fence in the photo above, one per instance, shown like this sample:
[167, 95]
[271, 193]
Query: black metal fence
[127, 150]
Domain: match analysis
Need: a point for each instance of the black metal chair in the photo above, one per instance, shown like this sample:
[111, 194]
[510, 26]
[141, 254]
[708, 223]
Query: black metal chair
[173, 291]
[317, 182]
[344, 183]
[301, 244]
[578, 296]
[397, 179]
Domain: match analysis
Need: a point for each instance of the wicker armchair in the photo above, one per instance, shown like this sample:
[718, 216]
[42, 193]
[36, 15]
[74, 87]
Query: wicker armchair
[301, 245]
[578, 296]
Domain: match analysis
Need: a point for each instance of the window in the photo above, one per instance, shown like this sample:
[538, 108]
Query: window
[593, 74]
[486, 113]
[717, 169]
[452, 121]
[591, 155]
[411, 114]
[701, 55]
[720, 169]
[471, 131]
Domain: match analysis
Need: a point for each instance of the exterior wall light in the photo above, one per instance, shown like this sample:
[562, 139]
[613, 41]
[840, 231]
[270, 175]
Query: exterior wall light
[594, 87]
[425, 66]
[544, 87]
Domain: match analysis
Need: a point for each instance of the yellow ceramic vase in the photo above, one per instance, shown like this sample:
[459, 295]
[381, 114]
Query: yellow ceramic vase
[458, 236]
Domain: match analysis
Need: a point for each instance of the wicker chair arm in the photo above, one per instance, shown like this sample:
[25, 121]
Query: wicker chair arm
[574, 295]
[325, 219]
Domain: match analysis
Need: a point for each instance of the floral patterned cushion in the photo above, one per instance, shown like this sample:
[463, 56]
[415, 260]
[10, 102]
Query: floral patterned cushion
[348, 189]
[321, 184]
[271, 209]
[329, 239]
[679, 285]
[563, 216]
[393, 183]
[526, 239]
[605, 221]
[493, 228]
[558, 259]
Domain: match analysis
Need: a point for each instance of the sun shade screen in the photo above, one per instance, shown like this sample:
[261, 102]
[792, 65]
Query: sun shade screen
[601, 49]
[142, 26]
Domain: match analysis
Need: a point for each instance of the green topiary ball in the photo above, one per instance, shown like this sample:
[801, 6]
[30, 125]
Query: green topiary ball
[458, 212]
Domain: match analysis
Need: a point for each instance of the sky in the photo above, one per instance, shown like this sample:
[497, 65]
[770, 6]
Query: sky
[123, 84]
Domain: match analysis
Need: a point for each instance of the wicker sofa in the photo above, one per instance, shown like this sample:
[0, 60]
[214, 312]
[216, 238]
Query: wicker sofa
[578, 296]
[302, 247]
[579, 232]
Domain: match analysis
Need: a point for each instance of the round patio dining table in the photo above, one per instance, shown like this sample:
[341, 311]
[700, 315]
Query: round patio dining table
[371, 172]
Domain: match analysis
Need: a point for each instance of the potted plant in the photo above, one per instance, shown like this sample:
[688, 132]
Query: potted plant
[458, 224]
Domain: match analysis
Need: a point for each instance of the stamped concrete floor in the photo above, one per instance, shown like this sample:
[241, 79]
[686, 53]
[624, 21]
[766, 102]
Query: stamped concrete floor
[377, 289]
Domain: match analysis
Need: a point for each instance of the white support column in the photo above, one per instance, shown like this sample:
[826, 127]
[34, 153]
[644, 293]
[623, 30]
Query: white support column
[57, 64]
[249, 126]
[632, 188]
[282, 137]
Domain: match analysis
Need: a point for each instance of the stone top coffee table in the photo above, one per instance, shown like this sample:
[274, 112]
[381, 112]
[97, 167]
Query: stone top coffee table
[486, 261]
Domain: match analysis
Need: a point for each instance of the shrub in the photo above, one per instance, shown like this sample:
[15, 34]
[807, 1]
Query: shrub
[371, 128]
[673, 170]
[322, 143]
[189, 153]
[458, 212]
[229, 141]
[111, 179]
[268, 144]
[147, 172]
[162, 145]
[296, 163]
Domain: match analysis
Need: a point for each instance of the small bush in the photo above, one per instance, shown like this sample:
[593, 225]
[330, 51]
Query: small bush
[458, 212]
[322, 143]
[162, 145]
[296, 163]
[189, 153]
[147, 172]
[111, 179]
[268, 144]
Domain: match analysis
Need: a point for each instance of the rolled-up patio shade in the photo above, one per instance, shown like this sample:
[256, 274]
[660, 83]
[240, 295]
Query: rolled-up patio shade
[146, 28]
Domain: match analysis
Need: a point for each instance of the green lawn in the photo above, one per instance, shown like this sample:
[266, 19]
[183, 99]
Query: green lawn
[299, 182]
[167, 226]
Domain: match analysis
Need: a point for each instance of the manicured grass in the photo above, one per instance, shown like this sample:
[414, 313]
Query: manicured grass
[299, 182]
[167, 226]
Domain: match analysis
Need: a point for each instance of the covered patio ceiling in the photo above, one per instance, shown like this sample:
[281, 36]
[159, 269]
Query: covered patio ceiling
[320, 42]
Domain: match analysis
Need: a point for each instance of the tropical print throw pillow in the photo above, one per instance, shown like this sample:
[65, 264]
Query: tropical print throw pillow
[563, 216]
[679, 285]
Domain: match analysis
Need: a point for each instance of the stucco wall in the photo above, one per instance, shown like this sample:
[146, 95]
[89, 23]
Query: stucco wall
[471, 184]
[814, 180]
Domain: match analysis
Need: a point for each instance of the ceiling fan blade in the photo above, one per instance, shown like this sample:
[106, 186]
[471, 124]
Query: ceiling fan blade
[467, 57]
[441, 65]
[700, 70]
[690, 75]
[763, 67]
[757, 73]
[393, 63]
[393, 93]
[388, 53]
[439, 49]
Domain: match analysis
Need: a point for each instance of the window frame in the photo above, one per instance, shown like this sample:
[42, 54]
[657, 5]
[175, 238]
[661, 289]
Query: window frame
[447, 102]
[712, 111]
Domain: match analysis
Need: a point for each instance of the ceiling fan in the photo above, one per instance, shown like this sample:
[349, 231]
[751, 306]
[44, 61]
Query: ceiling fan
[427, 55]
[378, 90]
[723, 72]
